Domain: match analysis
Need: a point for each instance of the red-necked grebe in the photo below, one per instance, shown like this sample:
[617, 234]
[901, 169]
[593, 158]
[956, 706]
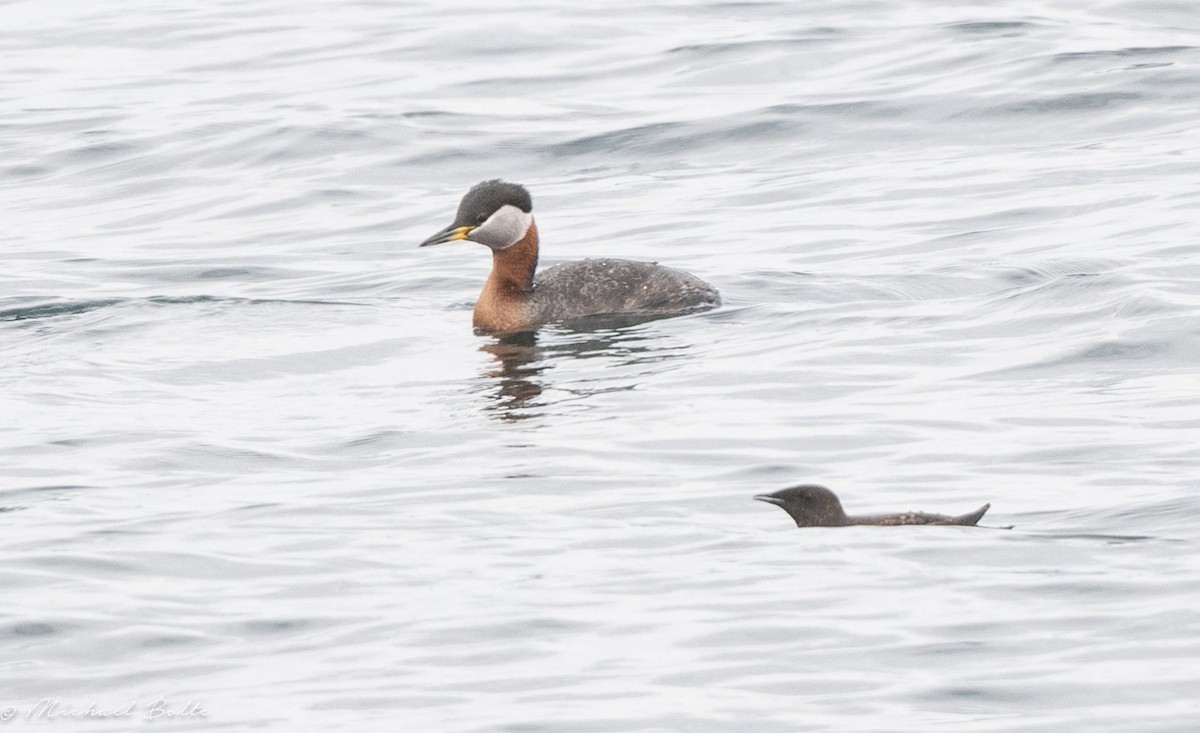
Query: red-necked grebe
[500, 215]
[816, 506]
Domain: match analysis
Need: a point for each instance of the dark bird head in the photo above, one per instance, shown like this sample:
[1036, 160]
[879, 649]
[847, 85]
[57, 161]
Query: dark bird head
[493, 213]
[810, 505]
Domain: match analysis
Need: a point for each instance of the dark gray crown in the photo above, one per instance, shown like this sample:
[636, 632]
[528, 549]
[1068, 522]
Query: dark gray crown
[485, 198]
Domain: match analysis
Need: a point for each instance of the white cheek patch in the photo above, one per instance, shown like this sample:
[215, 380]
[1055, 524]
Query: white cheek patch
[502, 229]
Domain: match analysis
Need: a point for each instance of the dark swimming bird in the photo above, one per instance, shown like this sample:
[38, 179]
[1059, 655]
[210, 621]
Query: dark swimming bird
[500, 215]
[816, 506]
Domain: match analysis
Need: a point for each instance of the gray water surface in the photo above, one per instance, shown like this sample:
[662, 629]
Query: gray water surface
[254, 461]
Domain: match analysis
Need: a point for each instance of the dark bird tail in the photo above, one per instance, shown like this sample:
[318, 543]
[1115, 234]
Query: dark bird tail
[973, 518]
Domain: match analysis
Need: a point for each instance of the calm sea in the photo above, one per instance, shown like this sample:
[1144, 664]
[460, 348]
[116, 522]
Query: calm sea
[257, 472]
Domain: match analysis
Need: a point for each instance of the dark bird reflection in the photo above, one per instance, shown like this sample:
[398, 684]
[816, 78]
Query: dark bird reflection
[526, 361]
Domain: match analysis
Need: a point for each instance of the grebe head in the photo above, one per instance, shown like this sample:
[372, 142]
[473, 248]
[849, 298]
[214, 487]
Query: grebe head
[494, 213]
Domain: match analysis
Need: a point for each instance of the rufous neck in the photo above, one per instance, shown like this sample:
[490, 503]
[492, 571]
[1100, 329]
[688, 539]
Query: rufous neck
[513, 267]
